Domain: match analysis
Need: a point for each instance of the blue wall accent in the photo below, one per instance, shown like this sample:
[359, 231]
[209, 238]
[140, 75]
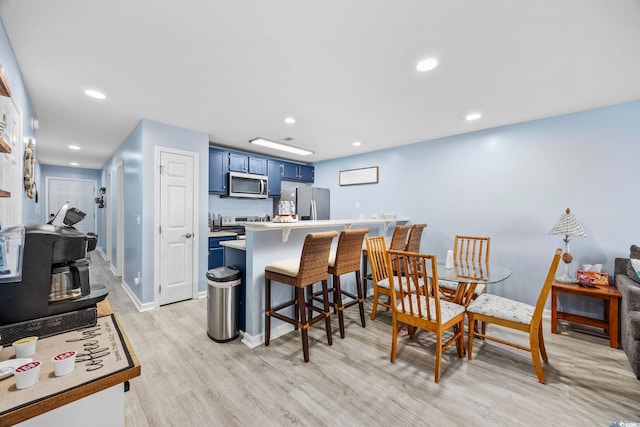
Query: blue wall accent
[19, 94]
[511, 183]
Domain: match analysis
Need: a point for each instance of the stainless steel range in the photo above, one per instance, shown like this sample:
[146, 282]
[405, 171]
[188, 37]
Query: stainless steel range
[234, 224]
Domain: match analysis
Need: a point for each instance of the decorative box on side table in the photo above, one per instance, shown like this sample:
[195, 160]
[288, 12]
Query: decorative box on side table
[610, 297]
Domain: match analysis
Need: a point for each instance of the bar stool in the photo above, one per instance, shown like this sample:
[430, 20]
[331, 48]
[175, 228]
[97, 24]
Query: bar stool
[346, 259]
[301, 273]
[415, 235]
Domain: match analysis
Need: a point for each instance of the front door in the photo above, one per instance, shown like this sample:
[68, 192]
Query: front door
[80, 192]
[176, 227]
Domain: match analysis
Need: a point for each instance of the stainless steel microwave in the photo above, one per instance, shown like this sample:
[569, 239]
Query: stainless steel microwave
[247, 185]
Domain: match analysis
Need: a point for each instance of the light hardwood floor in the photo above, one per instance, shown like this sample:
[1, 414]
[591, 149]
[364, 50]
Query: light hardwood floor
[189, 380]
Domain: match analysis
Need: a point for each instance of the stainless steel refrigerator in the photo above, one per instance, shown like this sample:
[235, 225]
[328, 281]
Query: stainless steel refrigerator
[312, 203]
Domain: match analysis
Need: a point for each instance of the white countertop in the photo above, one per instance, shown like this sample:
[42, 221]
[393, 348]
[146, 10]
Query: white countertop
[286, 227]
[240, 245]
[257, 226]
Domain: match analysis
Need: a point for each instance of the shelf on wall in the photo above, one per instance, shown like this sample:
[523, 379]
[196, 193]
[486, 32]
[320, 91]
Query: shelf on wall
[4, 147]
[4, 193]
[4, 86]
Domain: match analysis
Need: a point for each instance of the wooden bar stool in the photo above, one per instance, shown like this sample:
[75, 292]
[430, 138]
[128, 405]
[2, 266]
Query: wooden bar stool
[346, 259]
[301, 273]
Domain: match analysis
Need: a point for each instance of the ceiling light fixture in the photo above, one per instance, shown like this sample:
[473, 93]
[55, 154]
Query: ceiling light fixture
[73, 147]
[289, 120]
[473, 116]
[95, 94]
[427, 64]
[74, 164]
[356, 143]
[280, 146]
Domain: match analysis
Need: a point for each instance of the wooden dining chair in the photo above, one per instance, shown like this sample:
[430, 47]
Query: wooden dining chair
[376, 250]
[467, 250]
[515, 315]
[416, 303]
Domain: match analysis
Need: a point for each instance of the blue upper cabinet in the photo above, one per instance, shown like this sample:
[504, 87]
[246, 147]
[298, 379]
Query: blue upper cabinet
[218, 168]
[273, 173]
[297, 172]
[240, 162]
[222, 161]
[257, 165]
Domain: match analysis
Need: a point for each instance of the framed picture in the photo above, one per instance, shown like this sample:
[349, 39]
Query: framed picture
[359, 176]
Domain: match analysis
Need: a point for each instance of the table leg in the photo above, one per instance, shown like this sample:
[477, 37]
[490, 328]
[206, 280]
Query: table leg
[554, 310]
[613, 322]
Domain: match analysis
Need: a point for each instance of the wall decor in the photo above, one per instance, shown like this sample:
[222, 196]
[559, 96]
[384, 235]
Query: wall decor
[29, 163]
[359, 176]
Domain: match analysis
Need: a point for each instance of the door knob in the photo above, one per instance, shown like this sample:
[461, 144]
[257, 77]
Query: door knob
[188, 235]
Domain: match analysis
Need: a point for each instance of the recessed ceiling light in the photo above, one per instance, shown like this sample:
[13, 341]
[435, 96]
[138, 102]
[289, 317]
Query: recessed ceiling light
[74, 164]
[473, 116]
[73, 147]
[289, 120]
[427, 64]
[95, 94]
[280, 146]
[356, 143]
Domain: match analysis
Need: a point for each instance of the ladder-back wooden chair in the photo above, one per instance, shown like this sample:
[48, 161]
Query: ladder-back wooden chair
[515, 315]
[376, 252]
[467, 250]
[416, 303]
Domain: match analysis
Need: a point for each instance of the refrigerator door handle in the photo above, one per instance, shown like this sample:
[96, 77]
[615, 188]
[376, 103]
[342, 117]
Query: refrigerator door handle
[314, 213]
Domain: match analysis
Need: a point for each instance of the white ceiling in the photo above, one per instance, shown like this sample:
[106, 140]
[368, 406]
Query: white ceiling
[344, 69]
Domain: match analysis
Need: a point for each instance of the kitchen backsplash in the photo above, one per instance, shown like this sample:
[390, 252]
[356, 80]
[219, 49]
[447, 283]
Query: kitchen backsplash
[229, 206]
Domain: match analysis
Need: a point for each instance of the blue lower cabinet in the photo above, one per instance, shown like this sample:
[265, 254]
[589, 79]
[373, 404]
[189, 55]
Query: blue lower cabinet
[216, 252]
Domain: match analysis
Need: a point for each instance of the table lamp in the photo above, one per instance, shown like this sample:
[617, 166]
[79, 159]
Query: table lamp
[568, 225]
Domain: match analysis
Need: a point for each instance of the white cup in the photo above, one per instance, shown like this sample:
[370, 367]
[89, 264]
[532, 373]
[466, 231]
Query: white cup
[27, 374]
[25, 347]
[64, 363]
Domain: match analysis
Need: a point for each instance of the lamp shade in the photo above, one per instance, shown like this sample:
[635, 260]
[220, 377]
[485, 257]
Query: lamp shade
[568, 225]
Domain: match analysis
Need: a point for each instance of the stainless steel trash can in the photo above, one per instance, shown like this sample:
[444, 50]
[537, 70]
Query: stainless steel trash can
[223, 303]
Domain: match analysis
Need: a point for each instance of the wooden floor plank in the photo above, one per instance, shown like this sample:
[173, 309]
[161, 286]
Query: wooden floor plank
[189, 380]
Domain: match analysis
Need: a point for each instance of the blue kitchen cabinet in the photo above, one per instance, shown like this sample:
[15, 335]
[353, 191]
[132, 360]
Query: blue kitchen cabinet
[273, 173]
[218, 168]
[246, 163]
[216, 251]
[297, 172]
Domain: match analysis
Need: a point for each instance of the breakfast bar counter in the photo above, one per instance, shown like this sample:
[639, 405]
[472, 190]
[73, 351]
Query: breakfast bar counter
[267, 242]
[93, 394]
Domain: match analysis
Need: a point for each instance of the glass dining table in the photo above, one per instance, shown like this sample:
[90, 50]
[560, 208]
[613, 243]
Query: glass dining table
[469, 275]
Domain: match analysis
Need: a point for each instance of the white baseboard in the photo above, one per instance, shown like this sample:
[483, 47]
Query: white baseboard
[253, 341]
[139, 305]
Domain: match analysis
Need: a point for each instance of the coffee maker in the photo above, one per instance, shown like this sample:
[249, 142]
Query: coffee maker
[55, 271]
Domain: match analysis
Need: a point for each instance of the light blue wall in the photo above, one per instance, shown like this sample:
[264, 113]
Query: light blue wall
[137, 153]
[512, 183]
[19, 94]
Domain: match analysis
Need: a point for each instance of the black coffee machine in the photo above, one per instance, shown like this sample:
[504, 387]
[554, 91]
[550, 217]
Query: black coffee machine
[55, 272]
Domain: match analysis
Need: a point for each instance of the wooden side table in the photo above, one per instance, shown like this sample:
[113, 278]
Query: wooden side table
[610, 297]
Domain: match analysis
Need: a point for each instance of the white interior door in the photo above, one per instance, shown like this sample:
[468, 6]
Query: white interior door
[176, 227]
[80, 192]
